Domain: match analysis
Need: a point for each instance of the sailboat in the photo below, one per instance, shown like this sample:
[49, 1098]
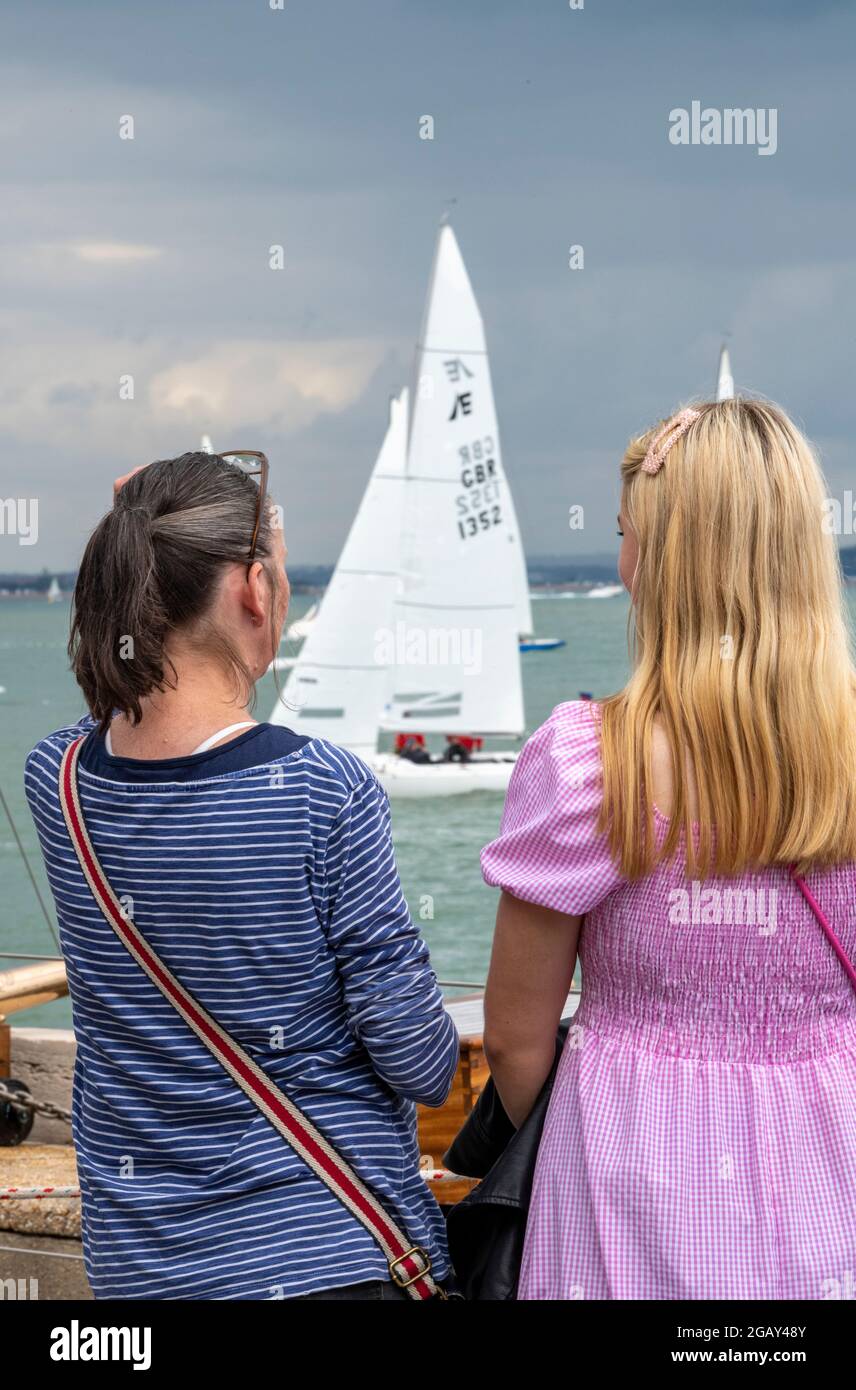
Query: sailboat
[418, 629]
[528, 642]
[337, 688]
[724, 379]
[54, 593]
[541, 644]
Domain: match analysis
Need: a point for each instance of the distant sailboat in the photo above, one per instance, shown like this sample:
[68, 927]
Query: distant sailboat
[605, 591]
[54, 593]
[724, 379]
[541, 644]
[418, 629]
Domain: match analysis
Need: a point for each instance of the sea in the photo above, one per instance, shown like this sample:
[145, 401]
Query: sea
[437, 840]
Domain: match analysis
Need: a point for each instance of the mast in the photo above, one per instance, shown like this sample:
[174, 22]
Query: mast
[724, 379]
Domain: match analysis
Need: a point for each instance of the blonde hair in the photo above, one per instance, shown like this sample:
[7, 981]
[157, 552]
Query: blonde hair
[741, 653]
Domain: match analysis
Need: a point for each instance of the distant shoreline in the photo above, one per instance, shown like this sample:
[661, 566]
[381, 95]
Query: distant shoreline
[581, 586]
[546, 575]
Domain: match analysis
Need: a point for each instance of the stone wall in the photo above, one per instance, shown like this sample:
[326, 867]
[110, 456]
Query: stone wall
[43, 1058]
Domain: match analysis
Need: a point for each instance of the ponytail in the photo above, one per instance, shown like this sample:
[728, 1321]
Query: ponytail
[151, 568]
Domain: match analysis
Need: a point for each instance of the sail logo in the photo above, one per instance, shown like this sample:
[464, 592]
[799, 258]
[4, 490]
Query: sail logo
[456, 369]
[19, 516]
[405, 645]
[729, 126]
[463, 405]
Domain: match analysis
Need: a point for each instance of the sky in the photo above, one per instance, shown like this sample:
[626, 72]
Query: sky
[300, 127]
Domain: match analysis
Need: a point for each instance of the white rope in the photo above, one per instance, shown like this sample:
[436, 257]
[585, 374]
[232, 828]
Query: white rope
[42, 1254]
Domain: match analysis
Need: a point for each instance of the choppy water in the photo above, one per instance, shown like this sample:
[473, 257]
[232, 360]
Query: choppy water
[437, 841]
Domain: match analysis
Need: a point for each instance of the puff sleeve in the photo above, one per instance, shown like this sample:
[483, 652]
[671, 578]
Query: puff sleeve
[548, 851]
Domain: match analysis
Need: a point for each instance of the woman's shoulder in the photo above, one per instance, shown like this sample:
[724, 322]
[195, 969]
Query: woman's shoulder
[49, 750]
[340, 770]
[568, 743]
[550, 850]
[42, 764]
[574, 719]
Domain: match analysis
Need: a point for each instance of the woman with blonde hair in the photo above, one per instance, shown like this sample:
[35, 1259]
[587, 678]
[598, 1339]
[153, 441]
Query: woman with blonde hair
[693, 840]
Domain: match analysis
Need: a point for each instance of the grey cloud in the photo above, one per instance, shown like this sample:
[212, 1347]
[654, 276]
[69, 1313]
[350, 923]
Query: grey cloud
[299, 128]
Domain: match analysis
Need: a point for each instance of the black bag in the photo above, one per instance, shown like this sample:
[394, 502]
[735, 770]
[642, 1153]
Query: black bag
[486, 1229]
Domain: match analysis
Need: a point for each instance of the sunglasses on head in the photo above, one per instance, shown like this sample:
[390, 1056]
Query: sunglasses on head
[255, 465]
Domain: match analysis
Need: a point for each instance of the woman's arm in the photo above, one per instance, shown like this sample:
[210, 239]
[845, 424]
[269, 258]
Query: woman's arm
[394, 1004]
[531, 969]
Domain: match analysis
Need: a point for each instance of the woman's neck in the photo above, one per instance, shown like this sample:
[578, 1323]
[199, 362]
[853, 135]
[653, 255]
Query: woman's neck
[175, 721]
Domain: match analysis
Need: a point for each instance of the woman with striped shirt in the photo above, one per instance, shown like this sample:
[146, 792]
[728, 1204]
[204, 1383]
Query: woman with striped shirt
[259, 866]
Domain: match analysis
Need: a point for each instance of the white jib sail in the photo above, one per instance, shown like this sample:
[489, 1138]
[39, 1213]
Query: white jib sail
[339, 684]
[454, 639]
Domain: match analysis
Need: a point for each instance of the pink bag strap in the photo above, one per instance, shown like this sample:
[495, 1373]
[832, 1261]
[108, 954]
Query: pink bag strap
[409, 1265]
[826, 925]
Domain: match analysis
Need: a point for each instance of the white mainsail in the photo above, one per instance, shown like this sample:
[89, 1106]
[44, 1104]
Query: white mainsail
[525, 626]
[456, 615]
[340, 681]
[724, 379]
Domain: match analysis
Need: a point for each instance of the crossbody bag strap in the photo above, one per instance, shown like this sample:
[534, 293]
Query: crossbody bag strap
[409, 1265]
[826, 925]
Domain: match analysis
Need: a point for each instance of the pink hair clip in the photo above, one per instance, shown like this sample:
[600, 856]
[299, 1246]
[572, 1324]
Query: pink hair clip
[666, 437]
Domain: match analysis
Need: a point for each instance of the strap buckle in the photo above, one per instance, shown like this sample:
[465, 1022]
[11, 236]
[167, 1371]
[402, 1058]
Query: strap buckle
[398, 1275]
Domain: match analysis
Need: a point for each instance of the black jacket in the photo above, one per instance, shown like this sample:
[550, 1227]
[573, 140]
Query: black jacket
[486, 1229]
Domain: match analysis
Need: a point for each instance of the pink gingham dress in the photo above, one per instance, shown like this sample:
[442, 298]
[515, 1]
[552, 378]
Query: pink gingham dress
[700, 1141]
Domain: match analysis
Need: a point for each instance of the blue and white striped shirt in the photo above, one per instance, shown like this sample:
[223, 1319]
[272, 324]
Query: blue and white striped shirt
[262, 873]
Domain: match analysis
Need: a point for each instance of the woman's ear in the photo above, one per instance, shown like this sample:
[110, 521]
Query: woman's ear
[255, 595]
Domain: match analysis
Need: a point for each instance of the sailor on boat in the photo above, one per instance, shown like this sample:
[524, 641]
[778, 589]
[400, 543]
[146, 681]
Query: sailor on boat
[412, 747]
[460, 747]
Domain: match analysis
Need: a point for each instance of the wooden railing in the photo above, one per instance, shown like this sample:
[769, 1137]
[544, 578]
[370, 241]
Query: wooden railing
[27, 985]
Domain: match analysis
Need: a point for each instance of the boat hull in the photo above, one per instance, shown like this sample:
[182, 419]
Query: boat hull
[402, 778]
[541, 644]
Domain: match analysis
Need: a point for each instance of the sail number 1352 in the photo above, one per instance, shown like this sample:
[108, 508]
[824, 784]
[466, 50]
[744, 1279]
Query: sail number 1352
[479, 506]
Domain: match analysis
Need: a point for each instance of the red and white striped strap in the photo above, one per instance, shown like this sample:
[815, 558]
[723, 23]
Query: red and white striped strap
[409, 1265]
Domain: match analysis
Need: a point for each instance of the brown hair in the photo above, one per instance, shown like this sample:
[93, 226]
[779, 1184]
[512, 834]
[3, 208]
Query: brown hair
[150, 568]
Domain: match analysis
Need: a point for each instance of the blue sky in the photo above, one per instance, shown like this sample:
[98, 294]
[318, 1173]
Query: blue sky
[300, 127]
